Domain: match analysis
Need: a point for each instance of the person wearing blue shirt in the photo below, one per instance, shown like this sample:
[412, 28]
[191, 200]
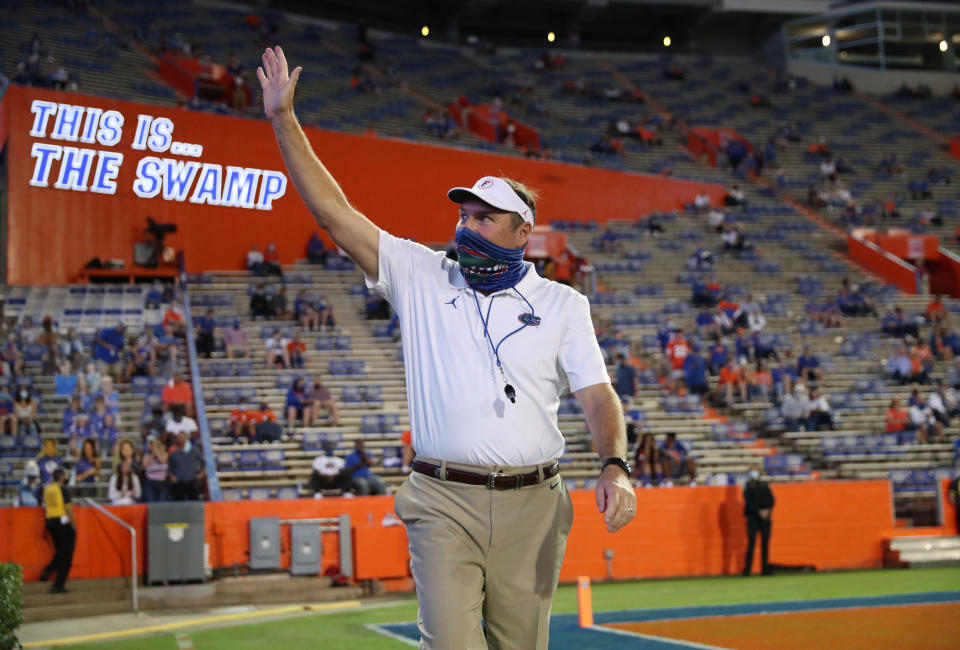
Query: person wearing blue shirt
[706, 326]
[695, 371]
[316, 251]
[70, 415]
[65, 382]
[88, 466]
[718, 357]
[357, 464]
[205, 326]
[108, 348]
[676, 459]
[743, 347]
[297, 404]
[808, 365]
[626, 384]
[28, 494]
[899, 365]
[108, 433]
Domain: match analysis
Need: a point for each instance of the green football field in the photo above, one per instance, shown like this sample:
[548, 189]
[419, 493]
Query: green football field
[345, 630]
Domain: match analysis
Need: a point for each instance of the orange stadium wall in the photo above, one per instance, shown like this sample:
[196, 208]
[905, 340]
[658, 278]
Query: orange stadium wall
[678, 532]
[52, 232]
[886, 265]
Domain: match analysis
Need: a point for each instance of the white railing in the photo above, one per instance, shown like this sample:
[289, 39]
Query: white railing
[133, 548]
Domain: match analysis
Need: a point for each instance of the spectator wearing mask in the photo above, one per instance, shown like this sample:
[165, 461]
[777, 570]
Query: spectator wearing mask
[278, 356]
[322, 400]
[329, 473]
[29, 490]
[108, 349]
[110, 396]
[271, 261]
[316, 251]
[177, 395]
[71, 347]
[796, 408]
[124, 488]
[297, 352]
[264, 423]
[138, 361]
[65, 381]
[205, 326]
[25, 410]
[676, 460]
[358, 464]
[732, 378]
[184, 469]
[304, 312]
[325, 310]
[821, 418]
[155, 488]
[255, 260]
[88, 465]
[758, 503]
[235, 340]
[175, 318]
[260, 304]
[61, 526]
[240, 422]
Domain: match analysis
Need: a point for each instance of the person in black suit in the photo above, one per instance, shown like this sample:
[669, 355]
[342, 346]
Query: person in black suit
[758, 504]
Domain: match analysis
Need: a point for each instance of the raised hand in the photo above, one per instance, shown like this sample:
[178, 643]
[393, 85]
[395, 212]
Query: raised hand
[277, 84]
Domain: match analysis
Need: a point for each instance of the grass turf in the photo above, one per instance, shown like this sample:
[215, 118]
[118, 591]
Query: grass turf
[345, 630]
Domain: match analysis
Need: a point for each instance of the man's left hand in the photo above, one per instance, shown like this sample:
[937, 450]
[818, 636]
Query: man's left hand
[615, 498]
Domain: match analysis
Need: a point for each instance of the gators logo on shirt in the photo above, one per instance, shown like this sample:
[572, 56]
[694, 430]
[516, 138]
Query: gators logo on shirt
[529, 319]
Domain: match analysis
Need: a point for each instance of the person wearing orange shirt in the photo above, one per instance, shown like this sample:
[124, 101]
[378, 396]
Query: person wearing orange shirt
[177, 392]
[731, 376]
[297, 350]
[406, 450]
[761, 382]
[174, 318]
[936, 312]
[677, 350]
[263, 422]
[240, 424]
[897, 417]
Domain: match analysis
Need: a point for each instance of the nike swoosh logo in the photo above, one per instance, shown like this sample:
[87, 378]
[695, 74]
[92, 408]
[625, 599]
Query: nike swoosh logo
[555, 485]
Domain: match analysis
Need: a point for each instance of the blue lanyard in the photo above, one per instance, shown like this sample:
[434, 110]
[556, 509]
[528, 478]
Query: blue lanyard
[496, 348]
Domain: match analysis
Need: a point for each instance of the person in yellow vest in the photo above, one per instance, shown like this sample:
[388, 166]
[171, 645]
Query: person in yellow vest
[62, 529]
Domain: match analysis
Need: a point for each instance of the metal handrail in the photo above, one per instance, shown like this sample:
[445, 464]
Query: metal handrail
[133, 547]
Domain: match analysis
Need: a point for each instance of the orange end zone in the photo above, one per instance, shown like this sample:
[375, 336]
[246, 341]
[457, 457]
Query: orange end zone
[901, 626]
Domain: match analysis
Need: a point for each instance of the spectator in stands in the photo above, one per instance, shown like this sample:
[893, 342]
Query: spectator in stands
[139, 360]
[695, 372]
[97, 413]
[828, 170]
[936, 311]
[316, 251]
[168, 352]
[707, 328]
[155, 487]
[796, 408]
[784, 374]
[278, 355]
[8, 418]
[108, 434]
[676, 460]
[626, 378]
[924, 421]
[899, 366]
[329, 472]
[735, 196]
[940, 343]
[150, 343]
[297, 352]
[156, 295]
[205, 326]
[321, 400]
[175, 318]
[760, 382]
[897, 418]
[758, 503]
[702, 202]
[71, 347]
[733, 239]
[717, 356]
[953, 373]
[304, 312]
[821, 417]
[156, 426]
[898, 324]
[265, 424]
[647, 464]
[732, 378]
[240, 421]
[110, 396]
[124, 489]
[49, 341]
[29, 490]
[179, 422]
[808, 365]
[298, 405]
[271, 261]
[854, 303]
[260, 303]
[279, 305]
[48, 460]
[255, 260]
[358, 464]
[25, 410]
[184, 469]
[943, 402]
[88, 465]
[177, 395]
[235, 340]
[65, 382]
[375, 307]
[677, 349]
[108, 349]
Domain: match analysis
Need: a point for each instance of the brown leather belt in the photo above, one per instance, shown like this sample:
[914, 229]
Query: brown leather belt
[492, 481]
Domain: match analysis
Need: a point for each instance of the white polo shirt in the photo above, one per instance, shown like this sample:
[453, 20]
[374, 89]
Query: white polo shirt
[455, 393]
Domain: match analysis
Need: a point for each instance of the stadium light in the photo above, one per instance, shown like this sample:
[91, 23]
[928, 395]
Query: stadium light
[825, 40]
[943, 46]
[424, 31]
[666, 41]
[551, 37]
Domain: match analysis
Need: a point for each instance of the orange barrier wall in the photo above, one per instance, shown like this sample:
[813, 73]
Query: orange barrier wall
[945, 274]
[678, 532]
[890, 268]
[402, 186]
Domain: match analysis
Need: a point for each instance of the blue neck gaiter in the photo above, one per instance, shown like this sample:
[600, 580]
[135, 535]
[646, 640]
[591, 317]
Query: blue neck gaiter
[486, 266]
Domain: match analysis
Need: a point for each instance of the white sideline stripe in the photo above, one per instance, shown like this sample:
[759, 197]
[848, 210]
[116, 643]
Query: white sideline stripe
[393, 635]
[661, 639]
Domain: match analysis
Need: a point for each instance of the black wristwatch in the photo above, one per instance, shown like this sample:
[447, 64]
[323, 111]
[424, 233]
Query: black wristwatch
[619, 462]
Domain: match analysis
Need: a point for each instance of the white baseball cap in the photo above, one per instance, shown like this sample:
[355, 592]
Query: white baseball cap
[496, 192]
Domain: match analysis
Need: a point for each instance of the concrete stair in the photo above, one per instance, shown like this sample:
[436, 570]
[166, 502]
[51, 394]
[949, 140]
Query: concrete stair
[926, 552]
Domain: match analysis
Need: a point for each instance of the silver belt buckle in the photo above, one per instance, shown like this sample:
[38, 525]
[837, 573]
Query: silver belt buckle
[492, 476]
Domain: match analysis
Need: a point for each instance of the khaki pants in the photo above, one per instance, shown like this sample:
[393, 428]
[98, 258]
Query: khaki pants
[475, 553]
